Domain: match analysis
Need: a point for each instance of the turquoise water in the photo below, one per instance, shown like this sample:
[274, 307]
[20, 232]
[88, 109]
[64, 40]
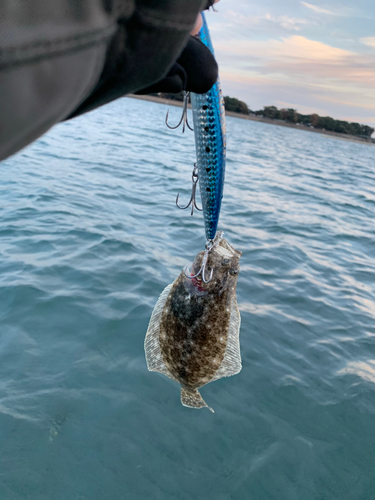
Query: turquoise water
[89, 237]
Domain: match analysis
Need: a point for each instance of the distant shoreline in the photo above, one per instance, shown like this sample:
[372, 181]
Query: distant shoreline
[280, 123]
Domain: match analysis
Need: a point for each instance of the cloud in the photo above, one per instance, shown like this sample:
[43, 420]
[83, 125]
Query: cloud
[294, 50]
[313, 73]
[370, 120]
[370, 41]
[298, 58]
[320, 10]
[318, 54]
[306, 110]
[352, 101]
[286, 22]
[265, 21]
[302, 49]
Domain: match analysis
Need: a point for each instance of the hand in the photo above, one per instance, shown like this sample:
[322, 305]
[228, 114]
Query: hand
[194, 71]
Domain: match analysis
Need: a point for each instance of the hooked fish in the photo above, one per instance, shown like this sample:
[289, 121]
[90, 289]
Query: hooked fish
[193, 334]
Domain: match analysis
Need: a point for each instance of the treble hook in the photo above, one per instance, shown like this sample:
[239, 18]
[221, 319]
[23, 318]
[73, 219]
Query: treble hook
[202, 270]
[192, 202]
[184, 117]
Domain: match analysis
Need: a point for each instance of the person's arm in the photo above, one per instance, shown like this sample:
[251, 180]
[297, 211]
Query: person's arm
[60, 58]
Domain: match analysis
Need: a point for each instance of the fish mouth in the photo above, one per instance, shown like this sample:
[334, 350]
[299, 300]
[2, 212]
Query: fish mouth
[197, 281]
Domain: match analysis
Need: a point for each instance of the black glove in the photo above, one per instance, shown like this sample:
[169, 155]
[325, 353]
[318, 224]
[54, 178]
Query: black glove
[194, 71]
[142, 47]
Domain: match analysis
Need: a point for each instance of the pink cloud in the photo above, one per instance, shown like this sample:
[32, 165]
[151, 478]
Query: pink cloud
[338, 80]
[299, 61]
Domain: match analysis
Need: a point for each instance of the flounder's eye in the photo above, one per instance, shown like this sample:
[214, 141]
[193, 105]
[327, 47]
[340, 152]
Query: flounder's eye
[234, 271]
[225, 262]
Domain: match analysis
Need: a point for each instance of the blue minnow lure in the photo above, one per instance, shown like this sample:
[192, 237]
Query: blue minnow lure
[210, 142]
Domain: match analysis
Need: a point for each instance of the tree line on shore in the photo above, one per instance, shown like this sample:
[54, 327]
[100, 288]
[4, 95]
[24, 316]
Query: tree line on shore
[291, 115]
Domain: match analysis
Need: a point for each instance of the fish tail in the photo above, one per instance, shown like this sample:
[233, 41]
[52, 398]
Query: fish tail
[192, 399]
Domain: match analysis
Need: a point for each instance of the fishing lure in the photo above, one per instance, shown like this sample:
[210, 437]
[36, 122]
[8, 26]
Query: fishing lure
[193, 334]
[210, 144]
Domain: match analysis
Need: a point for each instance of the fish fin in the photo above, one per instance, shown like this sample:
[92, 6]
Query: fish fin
[231, 364]
[154, 358]
[192, 399]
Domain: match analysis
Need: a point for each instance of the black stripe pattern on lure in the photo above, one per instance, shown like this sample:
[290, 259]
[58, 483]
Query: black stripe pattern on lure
[193, 334]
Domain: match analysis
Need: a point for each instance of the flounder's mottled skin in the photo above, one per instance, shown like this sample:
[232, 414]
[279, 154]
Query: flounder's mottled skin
[193, 335]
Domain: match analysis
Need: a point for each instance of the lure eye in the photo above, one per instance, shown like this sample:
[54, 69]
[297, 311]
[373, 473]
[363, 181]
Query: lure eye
[225, 262]
[234, 271]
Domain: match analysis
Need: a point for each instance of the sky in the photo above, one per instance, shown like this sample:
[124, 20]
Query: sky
[317, 56]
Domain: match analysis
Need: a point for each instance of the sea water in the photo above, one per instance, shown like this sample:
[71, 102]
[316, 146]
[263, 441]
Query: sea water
[89, 237]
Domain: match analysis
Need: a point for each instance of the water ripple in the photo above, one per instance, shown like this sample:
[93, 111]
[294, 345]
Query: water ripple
[90, 236]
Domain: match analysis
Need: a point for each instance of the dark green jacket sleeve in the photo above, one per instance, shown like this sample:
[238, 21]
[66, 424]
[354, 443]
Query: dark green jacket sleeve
[59, 58]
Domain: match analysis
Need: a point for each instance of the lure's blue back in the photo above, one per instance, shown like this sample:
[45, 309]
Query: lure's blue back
[210, 142]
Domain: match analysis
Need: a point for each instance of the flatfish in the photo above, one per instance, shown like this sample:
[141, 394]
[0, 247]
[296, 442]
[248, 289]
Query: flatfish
[193, 334]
